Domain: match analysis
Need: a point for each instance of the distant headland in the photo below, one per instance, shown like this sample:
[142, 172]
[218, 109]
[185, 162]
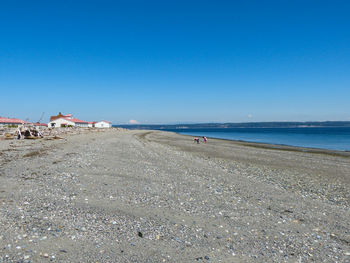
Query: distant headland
[239, 125]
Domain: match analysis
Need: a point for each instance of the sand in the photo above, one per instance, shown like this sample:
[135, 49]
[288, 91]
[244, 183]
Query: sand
[152, 196]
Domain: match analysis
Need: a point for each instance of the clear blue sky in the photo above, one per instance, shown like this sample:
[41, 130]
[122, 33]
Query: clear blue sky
[176, 61]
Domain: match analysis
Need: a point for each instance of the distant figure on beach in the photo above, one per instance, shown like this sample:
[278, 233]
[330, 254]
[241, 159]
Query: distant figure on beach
[205, 139]
[196, 140]
[19, 134]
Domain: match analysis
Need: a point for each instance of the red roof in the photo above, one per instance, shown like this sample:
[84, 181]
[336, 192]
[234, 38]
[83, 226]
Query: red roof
[52, 118]
[60, 115]
[91, 122]
[11, 120]
[76, 120]
[39, 124]
[71, 120]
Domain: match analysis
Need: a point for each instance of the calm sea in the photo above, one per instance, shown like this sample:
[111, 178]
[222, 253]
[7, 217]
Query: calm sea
[333, 138]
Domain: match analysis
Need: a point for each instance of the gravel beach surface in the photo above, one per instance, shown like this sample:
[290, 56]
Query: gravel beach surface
[152, 196]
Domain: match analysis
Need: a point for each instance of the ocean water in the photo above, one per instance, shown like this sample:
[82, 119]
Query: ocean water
[332, 138]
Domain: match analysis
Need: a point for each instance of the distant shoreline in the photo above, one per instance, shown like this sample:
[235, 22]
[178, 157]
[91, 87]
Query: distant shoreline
[263, 127]
[284, 147]
[335, 141]
[281, 147]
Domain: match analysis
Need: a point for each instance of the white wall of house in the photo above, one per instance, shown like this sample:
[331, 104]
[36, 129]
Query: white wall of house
[39, 126]
[103, 124]
[82, 124]
[59, 122]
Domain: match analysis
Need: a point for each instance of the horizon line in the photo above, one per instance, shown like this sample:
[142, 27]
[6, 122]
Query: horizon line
[195, 123]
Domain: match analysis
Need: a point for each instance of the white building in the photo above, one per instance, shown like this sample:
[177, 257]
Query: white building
[11, 121]
[61, 122]
[67, 120]
[103, 124]
[80, 123]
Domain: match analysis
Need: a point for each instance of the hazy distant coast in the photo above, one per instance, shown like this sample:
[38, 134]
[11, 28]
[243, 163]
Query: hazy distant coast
[238, 125]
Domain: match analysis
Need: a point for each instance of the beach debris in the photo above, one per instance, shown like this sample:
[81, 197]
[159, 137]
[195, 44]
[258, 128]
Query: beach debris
[8, 136]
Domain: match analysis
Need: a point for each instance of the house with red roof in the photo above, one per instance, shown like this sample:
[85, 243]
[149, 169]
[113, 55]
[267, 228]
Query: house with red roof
[38, 125]
[66, 121]
[11, 121]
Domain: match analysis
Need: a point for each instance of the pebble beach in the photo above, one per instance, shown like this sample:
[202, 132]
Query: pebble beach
[154, 196]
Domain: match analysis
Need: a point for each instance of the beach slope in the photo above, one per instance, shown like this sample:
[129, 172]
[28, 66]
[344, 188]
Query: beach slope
[152, 196]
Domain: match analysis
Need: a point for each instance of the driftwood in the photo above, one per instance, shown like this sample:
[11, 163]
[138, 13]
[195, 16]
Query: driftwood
[8, 136]
[54, 138]
[31, 137]
[48, 133]
[58, 137]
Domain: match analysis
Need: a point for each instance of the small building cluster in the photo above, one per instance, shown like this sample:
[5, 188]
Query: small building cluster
[67, 120]
[17, 122]
[11, 121]
[59, 120]
[11, 128]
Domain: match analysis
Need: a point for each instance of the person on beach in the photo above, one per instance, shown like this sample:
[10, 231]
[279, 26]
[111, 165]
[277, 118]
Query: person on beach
[196, 140]
[19, 134]
[205, 139]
